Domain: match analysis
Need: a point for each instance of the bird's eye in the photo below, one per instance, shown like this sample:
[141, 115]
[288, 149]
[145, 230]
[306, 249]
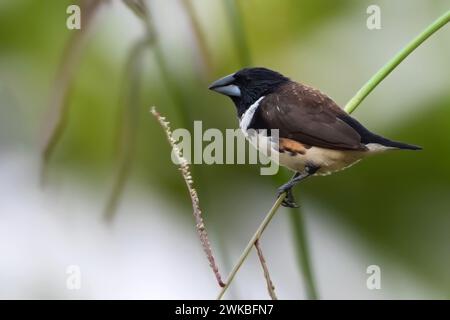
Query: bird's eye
[242, 79]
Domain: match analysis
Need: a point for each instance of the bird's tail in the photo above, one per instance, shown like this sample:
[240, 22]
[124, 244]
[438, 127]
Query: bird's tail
[368, 137]
[392, 144]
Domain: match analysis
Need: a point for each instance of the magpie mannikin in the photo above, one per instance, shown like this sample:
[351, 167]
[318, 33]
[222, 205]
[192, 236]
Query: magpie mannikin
[316, 137]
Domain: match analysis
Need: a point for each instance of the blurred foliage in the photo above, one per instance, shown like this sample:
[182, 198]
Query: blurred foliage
[398, 202]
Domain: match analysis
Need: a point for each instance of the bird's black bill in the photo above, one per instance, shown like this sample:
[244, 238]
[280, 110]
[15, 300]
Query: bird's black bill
[222, 82]
[225, 86]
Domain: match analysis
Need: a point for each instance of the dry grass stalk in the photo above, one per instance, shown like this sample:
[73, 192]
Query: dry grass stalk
[270, 286]
[186, 173]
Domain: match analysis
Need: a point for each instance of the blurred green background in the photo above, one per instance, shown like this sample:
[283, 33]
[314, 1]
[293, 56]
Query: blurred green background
[391, 210]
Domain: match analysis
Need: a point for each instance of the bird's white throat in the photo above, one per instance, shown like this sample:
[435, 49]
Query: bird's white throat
[247, 117]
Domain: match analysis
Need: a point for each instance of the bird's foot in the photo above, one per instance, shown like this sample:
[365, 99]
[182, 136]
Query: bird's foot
[289, 200]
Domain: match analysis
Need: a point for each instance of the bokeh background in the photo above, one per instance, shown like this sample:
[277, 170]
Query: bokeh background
[391, 210]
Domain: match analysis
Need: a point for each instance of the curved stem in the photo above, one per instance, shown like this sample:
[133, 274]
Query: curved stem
[350, 107]
[395, 61]
[129, 127]
[57, 116]
[129, 121]
[250, 244]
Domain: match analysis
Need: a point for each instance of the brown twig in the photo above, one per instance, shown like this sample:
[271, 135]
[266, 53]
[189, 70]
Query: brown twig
[186, 173]
[270, 286]
[256, 236]
[57, 114]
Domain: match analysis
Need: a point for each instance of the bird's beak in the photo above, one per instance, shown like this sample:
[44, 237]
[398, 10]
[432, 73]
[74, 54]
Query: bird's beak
[225, 86]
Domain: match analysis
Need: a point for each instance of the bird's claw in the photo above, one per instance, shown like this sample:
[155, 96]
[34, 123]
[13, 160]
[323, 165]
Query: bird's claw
[289, 200]
[289, 204]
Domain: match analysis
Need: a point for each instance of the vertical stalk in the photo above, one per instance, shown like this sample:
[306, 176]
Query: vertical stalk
[237, 27]
[303, 255]
[57, 116]
[129, 124]
[128, 128]
[199, 37]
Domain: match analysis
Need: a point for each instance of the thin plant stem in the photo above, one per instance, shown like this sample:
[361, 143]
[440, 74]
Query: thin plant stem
[238, 30]
[395, 61]
[56, 118]
[140, 8]
[199, 37]
[302, 250]
[303, 255]
[128, 121]
[187, 176]
[250, 244]
[128, 130]
[176, 94]
[262, 260]
[129, 124]
[350, 107]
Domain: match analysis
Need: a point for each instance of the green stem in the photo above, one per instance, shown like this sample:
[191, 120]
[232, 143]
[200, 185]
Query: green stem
[58, 113]
[250, 244]
[129, 121]
[351, 106]
[395, 61]
[128, 131]
[303, 255]
[199, 37]
[238, 30]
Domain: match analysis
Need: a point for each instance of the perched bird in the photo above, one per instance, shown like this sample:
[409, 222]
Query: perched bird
[315, 136]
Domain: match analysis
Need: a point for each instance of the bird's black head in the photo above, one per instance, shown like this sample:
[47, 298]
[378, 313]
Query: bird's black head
[247, 85]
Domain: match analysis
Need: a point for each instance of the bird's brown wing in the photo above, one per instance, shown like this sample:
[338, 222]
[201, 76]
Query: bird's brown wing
[308, 116]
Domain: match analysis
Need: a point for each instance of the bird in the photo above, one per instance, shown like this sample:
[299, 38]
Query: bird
[315, 136]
